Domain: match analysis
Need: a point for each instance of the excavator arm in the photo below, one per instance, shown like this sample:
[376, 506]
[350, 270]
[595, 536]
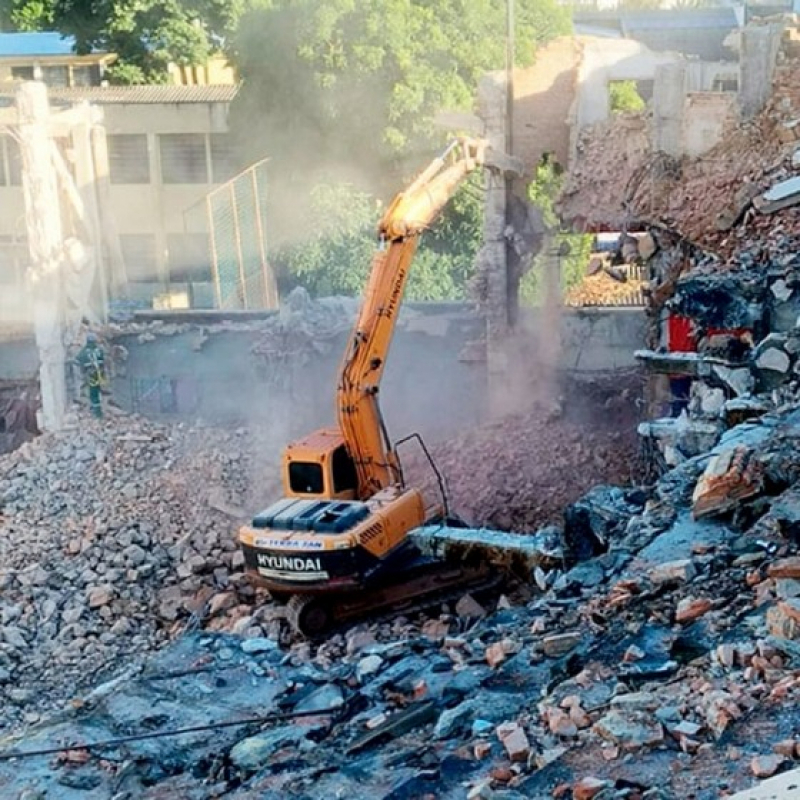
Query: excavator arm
[409, 214]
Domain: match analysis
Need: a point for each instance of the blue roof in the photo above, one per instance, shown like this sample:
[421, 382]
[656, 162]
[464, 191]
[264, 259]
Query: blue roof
[48, 43]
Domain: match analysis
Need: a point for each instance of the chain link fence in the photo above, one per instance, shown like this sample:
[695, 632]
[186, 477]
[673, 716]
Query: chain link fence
[237, 224]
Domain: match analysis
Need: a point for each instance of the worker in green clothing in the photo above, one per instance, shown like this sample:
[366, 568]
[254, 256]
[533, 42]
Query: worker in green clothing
[91, 360]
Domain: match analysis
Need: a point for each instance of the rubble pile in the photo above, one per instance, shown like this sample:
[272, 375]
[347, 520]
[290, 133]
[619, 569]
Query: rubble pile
[607, 156]
[710, 195]
[666, 664]
[617, 181]
[601, 289]
[113, 537]
[518, 473]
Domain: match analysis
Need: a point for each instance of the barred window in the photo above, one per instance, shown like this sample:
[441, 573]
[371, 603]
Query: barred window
[128, 161]
[57, 77]
[223, 162]
[183, 158]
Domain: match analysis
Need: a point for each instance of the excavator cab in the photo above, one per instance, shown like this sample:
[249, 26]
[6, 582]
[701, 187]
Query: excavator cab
[319, 466]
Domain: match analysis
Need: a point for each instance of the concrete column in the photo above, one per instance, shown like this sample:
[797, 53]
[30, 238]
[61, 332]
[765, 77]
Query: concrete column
[492, 258]
[669, 94]
[45, 241]
[759, 50]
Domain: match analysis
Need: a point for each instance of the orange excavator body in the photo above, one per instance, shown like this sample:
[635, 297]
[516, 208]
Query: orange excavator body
[346, 509]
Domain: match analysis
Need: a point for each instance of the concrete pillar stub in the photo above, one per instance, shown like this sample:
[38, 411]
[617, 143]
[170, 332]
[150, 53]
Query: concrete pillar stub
[759, 51]
[669, 94]
[45, 274]
[492, 255]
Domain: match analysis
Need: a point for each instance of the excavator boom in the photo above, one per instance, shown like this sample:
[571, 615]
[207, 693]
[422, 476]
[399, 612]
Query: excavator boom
[408, 215]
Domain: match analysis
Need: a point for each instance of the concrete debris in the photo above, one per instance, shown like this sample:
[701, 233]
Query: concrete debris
[107, 553]
[730, 477]
[420, 700]
[499, 478]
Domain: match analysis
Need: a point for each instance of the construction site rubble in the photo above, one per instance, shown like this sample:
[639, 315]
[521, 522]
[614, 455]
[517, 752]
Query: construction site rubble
[114, 537]
[640, 670]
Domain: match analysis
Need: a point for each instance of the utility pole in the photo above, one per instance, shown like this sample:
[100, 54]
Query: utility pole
[46, 246]
[511, 283]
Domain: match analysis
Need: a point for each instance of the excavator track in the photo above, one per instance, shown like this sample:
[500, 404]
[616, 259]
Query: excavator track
[408, 592]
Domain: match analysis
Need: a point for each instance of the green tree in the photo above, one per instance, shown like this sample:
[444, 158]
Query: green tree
[146, 34]
[543, 192]
[346, 91]
[334, 256]
[624, 97]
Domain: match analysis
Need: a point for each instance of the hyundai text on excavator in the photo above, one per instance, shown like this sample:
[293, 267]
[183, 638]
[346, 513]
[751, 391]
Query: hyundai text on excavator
[338, 542]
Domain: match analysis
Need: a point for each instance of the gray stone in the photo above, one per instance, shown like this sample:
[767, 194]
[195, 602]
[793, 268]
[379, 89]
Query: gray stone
[259, 644]
[453, 720]
[326, 698]
[369, 665]
[252, 753]
[630, 730]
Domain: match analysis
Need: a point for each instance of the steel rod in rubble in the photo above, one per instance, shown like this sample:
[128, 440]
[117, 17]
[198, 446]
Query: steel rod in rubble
[139, 737]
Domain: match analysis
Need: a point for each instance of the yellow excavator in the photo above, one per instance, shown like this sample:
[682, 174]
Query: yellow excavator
[338, 544]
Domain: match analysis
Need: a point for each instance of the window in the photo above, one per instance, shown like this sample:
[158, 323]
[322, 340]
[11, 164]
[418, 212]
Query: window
[344, 471]
[14, 161]
[305, 477]
[223, 163]
[86, 76]
[56, 76]
[724, 84]
[22, 73]
[128, 161]
[188, 257]
[139, 252]
[183, 158]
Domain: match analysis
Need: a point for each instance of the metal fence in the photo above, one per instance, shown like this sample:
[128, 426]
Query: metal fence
[237, 224]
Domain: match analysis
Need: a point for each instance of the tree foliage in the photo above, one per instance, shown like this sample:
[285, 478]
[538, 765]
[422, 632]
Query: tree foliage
[335, 256]
[346, 92]
[624, 96]
[145, 34]
[543, 191]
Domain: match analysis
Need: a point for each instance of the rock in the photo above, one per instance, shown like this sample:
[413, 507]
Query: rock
[678, 571]
[631, 730]
[482, 727]
[435, 630]
[560, 644]
[692, 608]
[452, 721]
[783, 619]
[785, 568]
[326, 698]
[766, 766]
[468, 607]
[254, 752]
[100, 596]
[495, 654]
[726, 655]
[587, 788]
[14, 637]
[367, 666]
[561, 724]
[258, 644]
[514, 740]
[786, 748]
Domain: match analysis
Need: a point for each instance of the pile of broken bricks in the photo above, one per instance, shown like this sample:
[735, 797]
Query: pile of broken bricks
[664, 664]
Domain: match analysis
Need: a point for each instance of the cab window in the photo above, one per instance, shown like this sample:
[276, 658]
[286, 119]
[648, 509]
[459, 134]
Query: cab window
[306, 478]
[344, 471]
